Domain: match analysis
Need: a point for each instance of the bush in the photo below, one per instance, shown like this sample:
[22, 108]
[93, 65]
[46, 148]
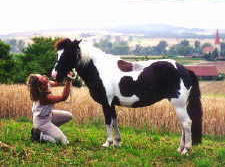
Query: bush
[220, 77]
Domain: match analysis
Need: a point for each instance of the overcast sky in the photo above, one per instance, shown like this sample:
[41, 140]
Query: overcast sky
[30, 15]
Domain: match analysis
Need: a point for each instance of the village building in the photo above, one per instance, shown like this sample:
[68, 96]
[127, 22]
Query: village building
[204, 72]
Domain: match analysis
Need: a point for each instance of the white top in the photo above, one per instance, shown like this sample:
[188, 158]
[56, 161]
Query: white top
[41, 110]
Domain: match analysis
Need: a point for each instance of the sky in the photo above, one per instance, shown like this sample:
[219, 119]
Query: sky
[34, 15]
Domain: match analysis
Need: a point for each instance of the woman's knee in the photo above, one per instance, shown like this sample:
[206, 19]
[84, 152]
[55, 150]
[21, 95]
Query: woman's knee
[68, 116]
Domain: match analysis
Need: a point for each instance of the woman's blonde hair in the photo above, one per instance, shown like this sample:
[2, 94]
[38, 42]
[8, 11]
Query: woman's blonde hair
[35, 87]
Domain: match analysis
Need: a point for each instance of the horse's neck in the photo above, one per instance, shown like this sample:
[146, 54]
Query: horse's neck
[93, 59]
[87, 71]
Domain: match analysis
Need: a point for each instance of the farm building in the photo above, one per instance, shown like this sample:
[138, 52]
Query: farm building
[208, 72]
[220, 65]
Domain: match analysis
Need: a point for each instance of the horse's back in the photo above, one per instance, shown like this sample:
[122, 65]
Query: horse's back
[155, 81]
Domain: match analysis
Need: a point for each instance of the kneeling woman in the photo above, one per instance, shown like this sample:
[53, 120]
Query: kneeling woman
[46, 120]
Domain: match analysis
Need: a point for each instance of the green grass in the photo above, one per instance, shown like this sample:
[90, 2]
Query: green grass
[181, 60]
[140, 147]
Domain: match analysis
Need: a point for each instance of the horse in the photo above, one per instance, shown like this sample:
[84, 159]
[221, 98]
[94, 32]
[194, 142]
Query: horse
[115, 82]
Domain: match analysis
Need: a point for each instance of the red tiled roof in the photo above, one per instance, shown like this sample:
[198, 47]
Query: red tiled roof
[220, 65]
[208, 49]
[203, 71]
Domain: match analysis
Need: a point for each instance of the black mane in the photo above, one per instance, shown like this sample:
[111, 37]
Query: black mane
[63, 43]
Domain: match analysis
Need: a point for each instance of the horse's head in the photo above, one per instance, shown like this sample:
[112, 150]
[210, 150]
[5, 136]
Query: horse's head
[68, 55]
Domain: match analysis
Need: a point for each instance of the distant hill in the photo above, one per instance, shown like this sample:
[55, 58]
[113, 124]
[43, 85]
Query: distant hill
[148, 30]
[167, 31]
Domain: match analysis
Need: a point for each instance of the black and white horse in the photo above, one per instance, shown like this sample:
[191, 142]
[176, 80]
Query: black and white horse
[112, 81]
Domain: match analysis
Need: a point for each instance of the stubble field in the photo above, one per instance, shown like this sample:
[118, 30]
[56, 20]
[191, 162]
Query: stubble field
[15, 103]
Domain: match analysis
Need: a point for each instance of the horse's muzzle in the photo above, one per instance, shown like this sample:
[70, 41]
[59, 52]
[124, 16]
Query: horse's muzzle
[54, 74]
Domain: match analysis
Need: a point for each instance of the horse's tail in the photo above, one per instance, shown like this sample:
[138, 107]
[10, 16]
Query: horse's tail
[194, 109]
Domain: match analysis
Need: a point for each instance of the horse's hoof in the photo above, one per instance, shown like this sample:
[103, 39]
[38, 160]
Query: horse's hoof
[180, 149]
[116, 144]
[185, 151]
[107, 144]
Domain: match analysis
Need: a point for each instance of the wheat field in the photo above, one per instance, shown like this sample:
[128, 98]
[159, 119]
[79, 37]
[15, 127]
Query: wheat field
[15, 102]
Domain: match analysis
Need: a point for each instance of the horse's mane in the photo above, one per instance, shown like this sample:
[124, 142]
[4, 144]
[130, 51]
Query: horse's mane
[89, 51]
[62, 43]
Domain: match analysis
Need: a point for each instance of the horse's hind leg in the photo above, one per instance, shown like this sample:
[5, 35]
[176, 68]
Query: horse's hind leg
[185, 142]
[182, 140]
[180, 105]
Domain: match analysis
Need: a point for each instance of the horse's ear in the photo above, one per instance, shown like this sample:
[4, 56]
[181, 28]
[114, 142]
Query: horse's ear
[77, 42]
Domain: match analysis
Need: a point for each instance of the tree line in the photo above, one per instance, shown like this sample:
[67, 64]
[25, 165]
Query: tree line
[184, 48]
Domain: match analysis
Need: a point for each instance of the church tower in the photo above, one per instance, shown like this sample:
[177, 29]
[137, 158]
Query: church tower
[217, 42]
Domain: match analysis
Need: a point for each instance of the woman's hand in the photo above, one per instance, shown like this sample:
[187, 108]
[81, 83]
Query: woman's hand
[71, 75]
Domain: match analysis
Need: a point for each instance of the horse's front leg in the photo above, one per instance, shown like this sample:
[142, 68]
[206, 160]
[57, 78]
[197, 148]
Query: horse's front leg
[117, 137]
[109, 126]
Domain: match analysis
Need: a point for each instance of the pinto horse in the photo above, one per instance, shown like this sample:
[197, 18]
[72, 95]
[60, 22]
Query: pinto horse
[112, 81]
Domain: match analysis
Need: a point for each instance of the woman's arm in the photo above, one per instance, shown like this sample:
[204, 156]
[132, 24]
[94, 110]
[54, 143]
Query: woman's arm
[54, 83]
[51, 99]
[70, 75]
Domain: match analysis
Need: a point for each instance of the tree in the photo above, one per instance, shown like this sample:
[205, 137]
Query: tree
[39, 57]
[215, 54]
[184, 48]
[120, 48]
[173, 51]
[6, 71]
[137, 50]
[222, 49]
[6, 64]
[104, 45]
[4, 50]
[161, 48]
[206, 45]
[184, 43]
[197, 46]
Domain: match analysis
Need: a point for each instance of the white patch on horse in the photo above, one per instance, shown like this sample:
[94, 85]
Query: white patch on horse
[182, 99]
[109, 140]
[105, 64]
[111, 82]
[59, 54]
[89, 52]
